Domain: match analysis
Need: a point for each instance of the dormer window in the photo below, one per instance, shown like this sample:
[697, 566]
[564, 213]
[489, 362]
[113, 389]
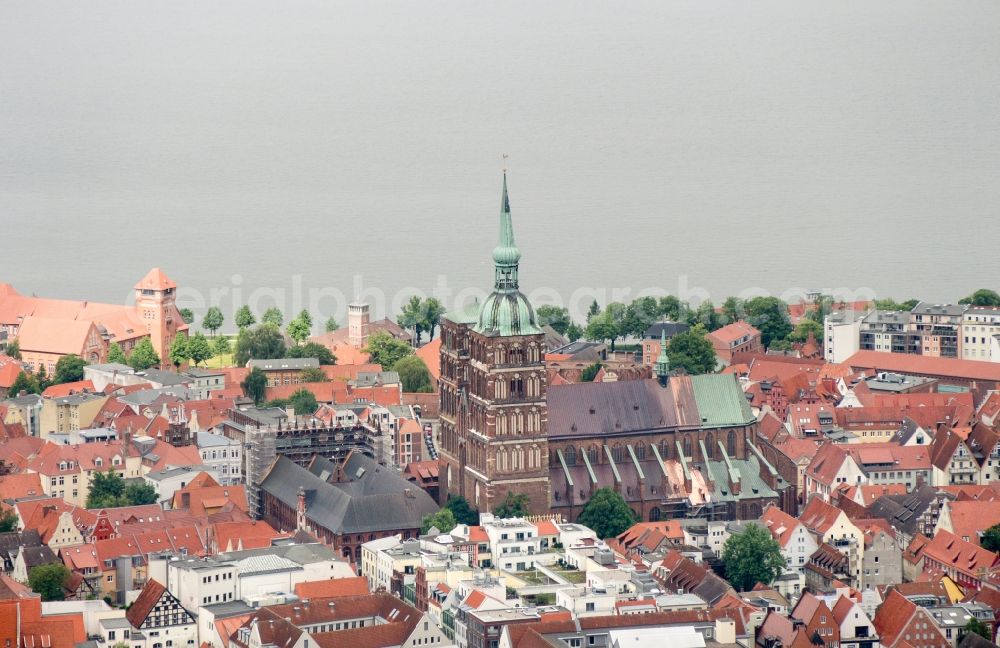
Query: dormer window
[116, 461]
[98, 462]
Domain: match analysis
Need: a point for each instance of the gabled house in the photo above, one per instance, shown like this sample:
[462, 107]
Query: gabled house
[796, 541]
[831, 466]
[832, 526]
[155, 619]
[967, 519]
[952, 460]
[965, 563]
[900, 623]
[856, 628]
[820, 625]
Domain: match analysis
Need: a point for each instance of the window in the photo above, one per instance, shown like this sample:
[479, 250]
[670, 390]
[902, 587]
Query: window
[590, 608]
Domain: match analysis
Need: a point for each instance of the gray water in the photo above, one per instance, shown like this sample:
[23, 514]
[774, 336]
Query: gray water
[729, 145]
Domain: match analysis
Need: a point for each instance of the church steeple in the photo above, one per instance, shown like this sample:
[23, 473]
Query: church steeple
[506, 254]
[662, 366]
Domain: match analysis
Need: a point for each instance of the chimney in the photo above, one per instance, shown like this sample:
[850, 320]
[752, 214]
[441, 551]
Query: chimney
[725, 631]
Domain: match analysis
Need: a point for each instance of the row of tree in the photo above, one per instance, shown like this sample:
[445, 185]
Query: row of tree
[421, 316]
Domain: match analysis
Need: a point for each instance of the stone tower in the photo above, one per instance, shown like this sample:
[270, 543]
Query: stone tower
[358, 319]
[155, 297]
[493, 381]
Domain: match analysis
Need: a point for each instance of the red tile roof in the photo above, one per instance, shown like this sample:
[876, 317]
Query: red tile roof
[949, 549]
[333, 588]
[145, 602]
[155, 279]
[920, 365]
[969, 517]
[781, 525]
[20, 485]
[729, 334]
[819, 516]
[65, 389]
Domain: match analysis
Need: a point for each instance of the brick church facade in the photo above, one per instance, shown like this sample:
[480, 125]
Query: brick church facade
[493, 389]
[675, 446]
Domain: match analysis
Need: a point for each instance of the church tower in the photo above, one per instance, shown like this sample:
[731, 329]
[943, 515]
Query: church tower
[155, 301]
[493, 381]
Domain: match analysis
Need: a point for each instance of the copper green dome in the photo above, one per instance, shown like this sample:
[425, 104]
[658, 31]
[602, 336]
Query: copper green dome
[506, 311]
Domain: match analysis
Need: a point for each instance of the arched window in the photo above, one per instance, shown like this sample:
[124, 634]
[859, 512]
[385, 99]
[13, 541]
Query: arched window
[654, 514]
[664, 450]
[687, 446]
[592, 454]
[569, 454]
[640, 451]
[618, 453]
[709, 445]
[731, 449]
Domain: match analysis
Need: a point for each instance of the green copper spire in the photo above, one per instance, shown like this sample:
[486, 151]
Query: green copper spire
[662, 367]
[506, 311]
[506, 255]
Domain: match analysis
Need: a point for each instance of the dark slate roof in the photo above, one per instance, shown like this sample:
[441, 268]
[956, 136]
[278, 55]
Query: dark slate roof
[41, 555]
[12, 541]
[655, 332]
[376, 499]
[628, 406]
[623, 407]
[903, 511]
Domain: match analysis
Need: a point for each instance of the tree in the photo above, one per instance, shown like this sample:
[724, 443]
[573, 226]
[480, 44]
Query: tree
[48, 580]
[464, 513]
[411, 316]
[25, 382]
[607, 514]
[14, 349]
[822, 306]
[512, 506]
[692, 351]
[313, 350]
[213, 319]
[590, 372]
[245, 318]
[574, 332]
[272, 317]
[107, 490]
[199, 348]
[8, 521]
[69, 368]
[143, 356]
[889, 304]
[802, 330]
[299, 329]
[261, 343]
[991, 538]
[43, 378]
[975, 626]
[179, 351]
[115, 354]
[707, 316]
[752, 556]
[770, 316]
[386, 350]
[255, 385]
[593, 311]
[670, 308]
[732, 309]
[602, 327]
[303, 401]
[982, 297]
[187, 315]
[555, 316]
[414, 375]
[313, 374]
[433, 310]
[221, 347]
[137, 494]
[443, 521]
[331, 325]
